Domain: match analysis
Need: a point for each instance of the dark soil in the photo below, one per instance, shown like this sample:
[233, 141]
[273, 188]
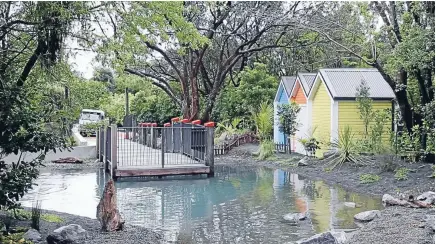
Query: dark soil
[347, 175]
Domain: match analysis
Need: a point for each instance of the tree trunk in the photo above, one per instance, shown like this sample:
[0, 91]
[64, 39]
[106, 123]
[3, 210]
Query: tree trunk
[195, 101]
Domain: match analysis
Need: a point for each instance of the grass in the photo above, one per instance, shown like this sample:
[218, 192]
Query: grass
[267, 148]
[402, 173]
[23, 214]
[36, 215]
[368, 178]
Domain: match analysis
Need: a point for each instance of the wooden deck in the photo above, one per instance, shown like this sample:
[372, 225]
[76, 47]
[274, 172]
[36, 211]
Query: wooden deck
[136, 160]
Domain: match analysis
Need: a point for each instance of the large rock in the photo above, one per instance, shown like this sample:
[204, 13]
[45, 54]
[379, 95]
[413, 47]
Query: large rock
[107, 211]
[325, 238]
[427, 197]
[32, 235]
[303, 162]
[294, 217]
[67, 235]
[367, 215]
[68, 160]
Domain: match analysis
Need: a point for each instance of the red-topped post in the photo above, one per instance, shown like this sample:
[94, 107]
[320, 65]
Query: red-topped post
[209, 155]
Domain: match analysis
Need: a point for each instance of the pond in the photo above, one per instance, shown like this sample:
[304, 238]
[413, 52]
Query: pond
[238, 205]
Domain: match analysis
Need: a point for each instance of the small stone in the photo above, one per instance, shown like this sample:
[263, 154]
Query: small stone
[367, 215]
[303, 161]
[294, 217]
[350, 204]
[421, 225]
[32, 235]
[323, 238]
[428, 197]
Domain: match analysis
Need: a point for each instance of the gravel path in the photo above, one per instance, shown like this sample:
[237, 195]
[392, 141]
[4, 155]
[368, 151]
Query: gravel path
[396, 225]
[130, 235]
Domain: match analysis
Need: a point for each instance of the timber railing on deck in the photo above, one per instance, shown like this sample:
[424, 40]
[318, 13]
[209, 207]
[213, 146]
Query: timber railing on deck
[149, 146]
[235, 142]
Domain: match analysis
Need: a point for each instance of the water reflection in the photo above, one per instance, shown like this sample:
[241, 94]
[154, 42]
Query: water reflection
[238, 205]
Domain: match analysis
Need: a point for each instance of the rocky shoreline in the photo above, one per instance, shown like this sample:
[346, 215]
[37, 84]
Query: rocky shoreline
[129, 235]
[394, 224]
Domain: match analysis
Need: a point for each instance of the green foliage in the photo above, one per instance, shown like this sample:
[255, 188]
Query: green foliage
[288, 123]
[409, 144]
[364, 103]
[153, 106]
[91, 128]
[267, 148]
[368, 178]
[263, 119]
[16, 238]
[401, 173]
[230, 128]
[255, 85]
[36, 215]
[347, 149]
[310, 145]
[22, 214]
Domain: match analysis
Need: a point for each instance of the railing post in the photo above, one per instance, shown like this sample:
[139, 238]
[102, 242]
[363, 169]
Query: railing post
[105, 148]
[153, 135]
[97, 143]
[114, 159]
[162, 146]
[209, 159]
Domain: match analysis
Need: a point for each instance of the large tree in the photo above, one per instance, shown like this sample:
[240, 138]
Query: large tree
[201, 44]
[396, 38]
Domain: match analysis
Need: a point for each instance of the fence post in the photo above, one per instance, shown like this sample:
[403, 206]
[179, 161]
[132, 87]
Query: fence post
[153, 135]
[114, 159]
[162, 146]
[97, 143]
[105, 148]
[210, 130]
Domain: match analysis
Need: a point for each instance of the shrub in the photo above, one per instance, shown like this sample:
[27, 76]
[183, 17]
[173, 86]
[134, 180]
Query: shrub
[16, 238]
[263, 119]
[36, 215]
[267, 148]
[310, 145]
[388, 164]
[346, 149]
[368, 178]
[401, 173]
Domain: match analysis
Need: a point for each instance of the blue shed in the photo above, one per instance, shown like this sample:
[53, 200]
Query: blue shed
[282, 97]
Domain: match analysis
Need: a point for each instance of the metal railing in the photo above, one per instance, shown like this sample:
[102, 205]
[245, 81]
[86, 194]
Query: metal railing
[155, 147]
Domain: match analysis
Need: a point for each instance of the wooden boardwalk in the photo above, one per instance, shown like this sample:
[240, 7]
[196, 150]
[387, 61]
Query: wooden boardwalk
[135, 159]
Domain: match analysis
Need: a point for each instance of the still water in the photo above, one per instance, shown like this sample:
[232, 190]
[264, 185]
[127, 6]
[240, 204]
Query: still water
[238, 205]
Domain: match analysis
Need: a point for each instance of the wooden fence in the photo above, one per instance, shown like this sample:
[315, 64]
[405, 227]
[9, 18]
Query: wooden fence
[235, 142]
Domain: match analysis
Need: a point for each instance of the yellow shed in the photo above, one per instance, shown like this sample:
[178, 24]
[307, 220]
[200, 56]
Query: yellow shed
[332, 101]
